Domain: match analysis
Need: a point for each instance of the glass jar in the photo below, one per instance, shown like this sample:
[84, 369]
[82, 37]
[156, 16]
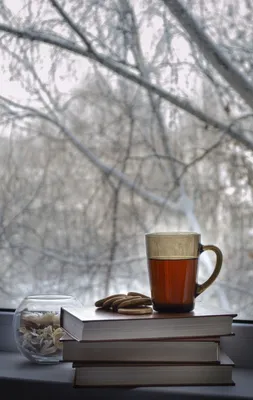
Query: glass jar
[37, 329]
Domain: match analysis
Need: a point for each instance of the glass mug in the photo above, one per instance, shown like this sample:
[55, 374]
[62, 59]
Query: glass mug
[173, 266]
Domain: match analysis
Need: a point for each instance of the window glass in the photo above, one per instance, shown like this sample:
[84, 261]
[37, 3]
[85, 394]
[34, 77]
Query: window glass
[119, 118]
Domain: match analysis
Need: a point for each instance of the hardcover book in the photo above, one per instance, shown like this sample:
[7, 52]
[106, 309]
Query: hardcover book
[153, 374]
[151, 350]
[89, 323]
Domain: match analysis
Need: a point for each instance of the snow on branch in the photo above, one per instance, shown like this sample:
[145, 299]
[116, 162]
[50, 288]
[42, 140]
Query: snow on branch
[96, 161]
[237, 80]
[183, 104]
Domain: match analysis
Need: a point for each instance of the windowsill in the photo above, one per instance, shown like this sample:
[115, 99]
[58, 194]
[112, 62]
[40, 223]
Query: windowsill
[35, 381]
[21, 378]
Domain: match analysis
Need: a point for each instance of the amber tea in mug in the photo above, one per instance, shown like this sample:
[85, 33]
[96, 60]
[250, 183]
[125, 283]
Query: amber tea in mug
[173, 268]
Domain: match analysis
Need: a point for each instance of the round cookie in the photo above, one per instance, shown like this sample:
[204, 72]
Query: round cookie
[109, 302]
[135, 311]
[138, 294]
[100, 302]
[135, 301]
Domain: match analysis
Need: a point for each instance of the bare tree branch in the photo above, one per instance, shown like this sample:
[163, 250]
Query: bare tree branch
[211, 52]
[72, 25]
[183, 104]
[134, 186]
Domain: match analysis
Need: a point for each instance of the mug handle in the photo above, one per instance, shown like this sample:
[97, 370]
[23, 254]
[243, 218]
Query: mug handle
[219, 257]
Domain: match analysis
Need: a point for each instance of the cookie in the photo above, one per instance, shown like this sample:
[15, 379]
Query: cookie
[100, 302]
[130, 303]
[137, 294]
[135, 311]
[108, 303]
[135, 301]
[117, 302]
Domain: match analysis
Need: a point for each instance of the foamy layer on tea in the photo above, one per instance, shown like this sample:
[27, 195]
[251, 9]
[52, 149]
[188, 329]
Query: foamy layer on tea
[172, 245]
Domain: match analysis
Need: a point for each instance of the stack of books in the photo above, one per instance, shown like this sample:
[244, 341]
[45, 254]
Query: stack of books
[158, 349]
